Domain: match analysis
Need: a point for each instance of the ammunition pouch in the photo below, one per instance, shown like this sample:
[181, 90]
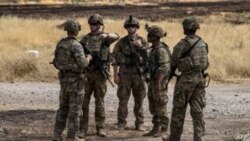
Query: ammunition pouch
[104, 53]
[185, 64]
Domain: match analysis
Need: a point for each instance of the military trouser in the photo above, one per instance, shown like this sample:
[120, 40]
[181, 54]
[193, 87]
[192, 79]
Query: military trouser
[189, 89]
[127, 83]
[158, 105]
[71, 96]
[96, 84]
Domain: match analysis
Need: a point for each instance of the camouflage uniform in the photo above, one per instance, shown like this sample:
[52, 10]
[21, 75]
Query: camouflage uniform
[71, 63]
[190, 85]
[130, 79]
[96, 82]
[159, 63]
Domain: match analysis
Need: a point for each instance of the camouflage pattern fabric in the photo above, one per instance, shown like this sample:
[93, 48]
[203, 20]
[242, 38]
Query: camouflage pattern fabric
[71, 93]
[128, 83]
[96, 83]
[129, 80]
[189, 89]
[159, 61]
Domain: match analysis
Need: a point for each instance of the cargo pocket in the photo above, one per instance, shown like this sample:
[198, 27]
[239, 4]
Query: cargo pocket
[163, 100]
[70, 84]
[104, 54]
[81, 82]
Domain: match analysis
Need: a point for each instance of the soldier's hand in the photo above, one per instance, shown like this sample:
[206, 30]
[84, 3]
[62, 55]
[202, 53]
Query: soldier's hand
[103, 36]
[137, 43]
[89, 57]
[116, 79]
[141, 60]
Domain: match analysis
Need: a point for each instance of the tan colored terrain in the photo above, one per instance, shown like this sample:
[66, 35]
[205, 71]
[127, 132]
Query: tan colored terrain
[27, 112]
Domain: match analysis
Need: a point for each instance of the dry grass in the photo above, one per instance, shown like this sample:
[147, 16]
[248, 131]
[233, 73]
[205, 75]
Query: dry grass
[228, 46]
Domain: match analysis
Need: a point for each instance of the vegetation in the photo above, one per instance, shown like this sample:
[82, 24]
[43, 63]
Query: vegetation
[228, 46]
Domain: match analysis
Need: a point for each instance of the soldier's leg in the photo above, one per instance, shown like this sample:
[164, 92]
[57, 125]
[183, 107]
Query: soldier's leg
[154, 111]
[163, 115]
[178, 112]
[139, 93]
[151, 103]
[197, 104]
[123, 94]
[75, 105]
[89, 88]
[99, 93]
[62, 114]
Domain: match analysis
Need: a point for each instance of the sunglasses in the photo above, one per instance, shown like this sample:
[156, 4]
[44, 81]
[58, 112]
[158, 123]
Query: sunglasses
[94, 24]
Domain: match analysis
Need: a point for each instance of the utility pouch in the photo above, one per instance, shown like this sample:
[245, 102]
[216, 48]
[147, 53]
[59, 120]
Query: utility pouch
[104, 54]
[185, 64]
[110, 57]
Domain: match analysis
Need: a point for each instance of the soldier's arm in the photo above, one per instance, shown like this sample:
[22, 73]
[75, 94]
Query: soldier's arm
[163, 60]
[83, 43]
[177, 52]
[109, 38]
[143, 51]
[116, 63]
[116, 53]
[79, 55]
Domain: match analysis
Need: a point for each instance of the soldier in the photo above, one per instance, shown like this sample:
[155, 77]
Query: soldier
[98, 43]
[159, 62]
[190, 57]
[71, 62]
[130, 57]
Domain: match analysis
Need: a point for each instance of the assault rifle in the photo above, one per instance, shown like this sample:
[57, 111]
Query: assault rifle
[135, 56]
[99, 63]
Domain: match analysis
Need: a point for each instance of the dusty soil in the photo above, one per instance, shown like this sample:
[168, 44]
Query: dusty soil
[150, 11]
[27, 112]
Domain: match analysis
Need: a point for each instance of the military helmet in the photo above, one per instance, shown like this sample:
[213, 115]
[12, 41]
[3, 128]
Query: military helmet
[131, 21]
[72, 26]
[155, 30]
[190, 23]
[96, 18]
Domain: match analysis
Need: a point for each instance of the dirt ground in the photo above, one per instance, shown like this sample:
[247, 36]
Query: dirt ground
[27, 112]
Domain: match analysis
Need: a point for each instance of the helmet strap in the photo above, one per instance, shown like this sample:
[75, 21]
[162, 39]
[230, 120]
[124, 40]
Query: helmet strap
[103, 27]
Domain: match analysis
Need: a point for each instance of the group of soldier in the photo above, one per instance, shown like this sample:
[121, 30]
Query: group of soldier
[83, 70]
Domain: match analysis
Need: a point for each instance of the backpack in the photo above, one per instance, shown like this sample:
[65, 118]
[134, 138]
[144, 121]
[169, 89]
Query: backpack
[64, 59]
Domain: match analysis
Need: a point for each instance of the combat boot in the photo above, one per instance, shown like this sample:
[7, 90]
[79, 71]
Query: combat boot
[57, 137]
[139, 127]
[154, 132]
[101, 133]
[82, 134]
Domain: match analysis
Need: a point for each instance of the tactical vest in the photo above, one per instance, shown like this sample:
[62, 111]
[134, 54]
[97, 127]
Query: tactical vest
[152, 59]
[126, 57]
[98, 47]
[64, 59]
[198, 56]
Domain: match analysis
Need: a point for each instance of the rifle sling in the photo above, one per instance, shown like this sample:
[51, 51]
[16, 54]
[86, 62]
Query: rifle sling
[190, 48]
